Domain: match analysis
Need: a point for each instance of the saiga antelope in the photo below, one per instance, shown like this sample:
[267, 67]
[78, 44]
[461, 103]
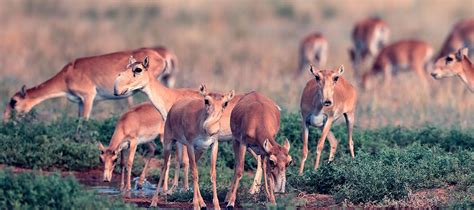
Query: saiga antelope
[401, 55]
[369, 36]
[140, 125]
[313, 50]
[168, 77]
[462, 35]
[137, 77]
[195, 123]
[456, 64]
[255, 121]
[83, 81]
[326, 98]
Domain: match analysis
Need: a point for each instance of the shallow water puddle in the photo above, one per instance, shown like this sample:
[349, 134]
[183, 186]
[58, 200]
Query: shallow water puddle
[113, 189]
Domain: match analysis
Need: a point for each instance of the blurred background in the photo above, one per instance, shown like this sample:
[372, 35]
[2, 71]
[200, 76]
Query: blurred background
[243, 45]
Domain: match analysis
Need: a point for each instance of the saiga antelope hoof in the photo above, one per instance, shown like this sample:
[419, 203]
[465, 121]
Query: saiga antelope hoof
[154, 201]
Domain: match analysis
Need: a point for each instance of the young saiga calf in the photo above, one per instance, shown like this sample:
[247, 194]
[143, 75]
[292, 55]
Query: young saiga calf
[140, 125]
[195, 123]
[456, 64]
[326, 98]
[255, 121]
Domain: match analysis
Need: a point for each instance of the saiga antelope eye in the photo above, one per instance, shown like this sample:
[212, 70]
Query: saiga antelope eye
[317, 78]
[335, 79]
[206, 102]
[137, 70]
[449, 59]
[272, 163]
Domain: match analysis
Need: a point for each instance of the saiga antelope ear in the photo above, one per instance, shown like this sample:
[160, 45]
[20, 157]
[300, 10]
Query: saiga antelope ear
[267, 146]
[286, 145]
[229, 96]
[146, 62]
[311, 69]
[461, 52]
[23, 91]
[131, 60]
[101, 147]
[203, 90]
[340, 71]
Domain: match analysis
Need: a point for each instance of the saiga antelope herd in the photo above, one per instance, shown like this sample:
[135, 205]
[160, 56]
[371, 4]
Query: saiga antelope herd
[195, 120]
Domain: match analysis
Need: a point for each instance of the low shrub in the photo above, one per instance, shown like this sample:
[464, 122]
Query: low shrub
[29, 190]
[387, 175]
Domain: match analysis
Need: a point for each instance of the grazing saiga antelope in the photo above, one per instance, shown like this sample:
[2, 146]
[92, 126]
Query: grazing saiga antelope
[137, 77]
[255, 121]
[456, 64]
[195, 123]
[168, 77]
[462, 35]
[140, 125]
[326, 98]
[369, 36]
[313, 50]
[402, 55]
[83, 81]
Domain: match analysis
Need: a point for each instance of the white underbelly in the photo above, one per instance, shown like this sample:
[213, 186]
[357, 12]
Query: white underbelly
[317, 120]
[146, 139]
[204, 142]
[103, 94]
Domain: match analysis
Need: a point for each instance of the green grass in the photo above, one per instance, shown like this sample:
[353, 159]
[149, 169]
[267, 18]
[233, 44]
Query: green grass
[390, 161]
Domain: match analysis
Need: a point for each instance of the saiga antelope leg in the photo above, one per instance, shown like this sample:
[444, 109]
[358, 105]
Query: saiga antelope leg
[186, 168]
[350, 126]
[88, 102]
[257, 181]
[215, 200]
[387, 76]
[122, 165]
[131, 156]
[304, 136]
[150, 153]
[420, 71]
[192, 161]
[324, 133]
[178, 159]
[268, 187]
[130, 101]
[164, 168]
[198, 154]
[239, 150]
[333, 143]
[235, 147]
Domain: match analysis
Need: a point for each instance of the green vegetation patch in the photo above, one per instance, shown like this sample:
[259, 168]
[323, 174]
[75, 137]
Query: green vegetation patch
[30, 190]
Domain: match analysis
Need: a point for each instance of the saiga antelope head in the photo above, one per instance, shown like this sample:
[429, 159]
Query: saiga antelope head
[135, 77]
[278, 160]
[450, 65]
[214, 106]
[326, 80]
[19, 103]
[109, 159]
